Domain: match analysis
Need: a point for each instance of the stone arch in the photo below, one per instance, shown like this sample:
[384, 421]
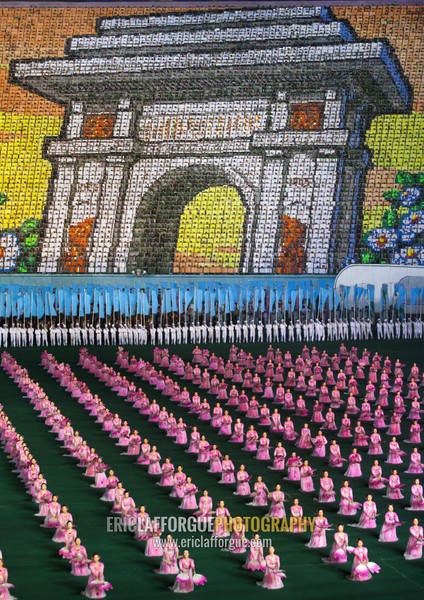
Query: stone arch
[157, 216]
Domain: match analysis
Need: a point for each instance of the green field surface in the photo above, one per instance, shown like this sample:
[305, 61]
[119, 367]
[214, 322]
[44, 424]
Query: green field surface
[37, 571]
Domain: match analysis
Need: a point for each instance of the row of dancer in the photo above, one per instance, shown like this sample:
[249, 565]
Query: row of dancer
[56, 516]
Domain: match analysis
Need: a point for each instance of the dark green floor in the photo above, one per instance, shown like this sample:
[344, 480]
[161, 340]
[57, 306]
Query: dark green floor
[32, 558]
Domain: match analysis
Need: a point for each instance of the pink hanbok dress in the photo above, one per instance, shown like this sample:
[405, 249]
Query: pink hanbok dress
[243, 485]
[279, 459]
[293, 465]
[415, 465]
[189, 501]
[347, 505]
[375, 445]
[388, 530]
[178, 487]
[354, 468]
[205, 509]
[362, 568]
[338, 552]
[368, 516]
[417, 500]
[273, 574]
[79, 561]
[395, 454]
[187, 578]
[255, 560]
[394, 487]
[227, 472]
[167, 479]
[260, 495]
[377, 481]
[222, 522]
[319, 442]
[238, 435]
[216, 420]
[306, 482]
[319, 537]
[277, 505]
[169, 563]
[326, 490]
[263, 450]
[414, 549]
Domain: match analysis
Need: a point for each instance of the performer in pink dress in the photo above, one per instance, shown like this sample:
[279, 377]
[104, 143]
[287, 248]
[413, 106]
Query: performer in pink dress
[243, 478]
[78, 559]
[204, 450]
[273, 574]
[255, 559]
[326, 489]
[279, 458]
[414, 433]
[227, 467]
[320, 441]
[293, 465]
[277, 503]
[375, 443]
[194, 442]
[276, 425]
[306, 473]
[318, 537]
[169, 562]
[69, 540]
[205, 507]
[215, 456]
[64, 517]
[415, 465]
[417, 500]
[338, 552]
[167, 478]
[263, 450]
[335, 459]
[189, 501]
[360, 438]
[394, 487]
[260, 493]
[289, 433]
[251, 440]
[222, 521]
[225, 428]
[347, 505]
[238, 543]
[330, 421]
[414, 549]
[187, 577]
[143, 525]
[391, 522]
[344, 431]
[368, 517]
[154, 462]
[5, 586]
[354, 469]
[377, 481]
[238, 435]
[296, 518]
[362, 568]
[180, 479]
[53, 512]
[395, 423]
[217, 412]
[395, 453]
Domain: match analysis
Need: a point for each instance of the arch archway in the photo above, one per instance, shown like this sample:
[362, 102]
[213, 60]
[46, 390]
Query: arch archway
[158, 217]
